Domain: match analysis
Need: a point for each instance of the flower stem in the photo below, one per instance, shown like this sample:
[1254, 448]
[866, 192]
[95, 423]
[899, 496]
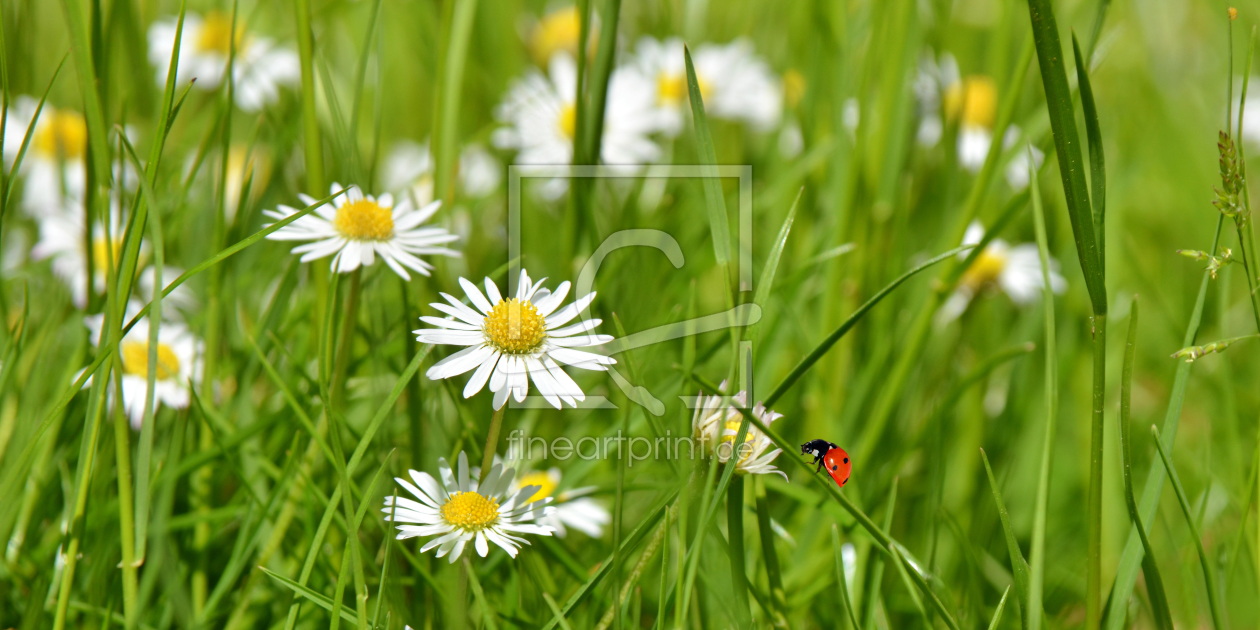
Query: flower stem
[492, 442]
[347, 338]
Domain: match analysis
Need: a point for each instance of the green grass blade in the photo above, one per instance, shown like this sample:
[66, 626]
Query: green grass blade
[1209, 574]
[597, 87]
[766, 282]
[1131, 557]
[997, 614]
[1097, 162]
[735, 548]
[314, 151]
[1036, 579]
[1067, 146]
[319, 600]
[487, 611]
[774, 574]
[632, 540]
[30, 131]
[454, 57]
[714, 200]
[1154, 582]
[850, 614]
[826, 344]
[1019, 567]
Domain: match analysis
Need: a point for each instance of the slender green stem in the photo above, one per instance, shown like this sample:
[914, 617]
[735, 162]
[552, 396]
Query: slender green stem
[774, 576]
[843, 584]
[1209, 574]
[492, 441]
[346, 344]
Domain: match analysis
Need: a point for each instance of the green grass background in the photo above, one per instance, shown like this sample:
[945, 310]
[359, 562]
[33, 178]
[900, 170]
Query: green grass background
[1160, 86]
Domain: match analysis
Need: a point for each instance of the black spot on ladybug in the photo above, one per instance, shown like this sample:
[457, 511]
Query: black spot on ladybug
[833, 466]
[846, 480]
[846, 460]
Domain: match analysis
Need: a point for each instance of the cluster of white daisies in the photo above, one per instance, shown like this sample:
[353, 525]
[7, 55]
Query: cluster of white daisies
[506, 343]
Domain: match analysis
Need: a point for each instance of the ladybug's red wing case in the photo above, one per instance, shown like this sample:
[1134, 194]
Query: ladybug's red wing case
[837, 463]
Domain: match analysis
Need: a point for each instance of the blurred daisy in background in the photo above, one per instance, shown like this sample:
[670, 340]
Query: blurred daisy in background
[734, 82]
[540, 114]
[62, 238]
[716, 424]
[557, 32]
[1015, 270]
[178, 363]
[972, 102]
[572, 507]
[354, 228]
[510, 342]
[258, 71]
[53, 167]
[457, 510]
[409, 170]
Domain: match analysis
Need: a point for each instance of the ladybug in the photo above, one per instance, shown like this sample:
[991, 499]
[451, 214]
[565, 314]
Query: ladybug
[833, 457]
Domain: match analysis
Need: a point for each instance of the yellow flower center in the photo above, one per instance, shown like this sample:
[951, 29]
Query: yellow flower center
[733, 427]
[63, 135]
[986, 269]
[105, 253]
[558, 30]
[364, 220]
[515, 327]
[974, 100]
[793, 87]
[135, 358]
[470, 511]
[671, 89]
[568, 120]
[541, 479]
[216, 34]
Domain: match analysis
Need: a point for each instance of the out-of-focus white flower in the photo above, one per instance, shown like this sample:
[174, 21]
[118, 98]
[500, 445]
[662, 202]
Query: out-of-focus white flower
[1028, 155]
[510, 342]
[716, 424]
[734, 82]
[1015, 270]
[258, 71]
[572, 507]
[409, 170]
[354, 228]
[1250, 111]
[557, 32]
[178, 362]
[53, 167]
[457, 510]
[541, 117]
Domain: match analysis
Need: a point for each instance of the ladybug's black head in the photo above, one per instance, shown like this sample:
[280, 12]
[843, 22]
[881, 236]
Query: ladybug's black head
[816, 447]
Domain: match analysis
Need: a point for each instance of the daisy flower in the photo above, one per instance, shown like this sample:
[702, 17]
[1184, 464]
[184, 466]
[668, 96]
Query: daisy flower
[969, 101]
[541, 117]
[734, 82]
[558, 31]
[258, 70]
[54, 164]
[571, 507]
[178, 362]
[61, 238]
[716, 425]
[409, 170]
[354, 228]
[457, 509]
[510, 342]
[1015, 270]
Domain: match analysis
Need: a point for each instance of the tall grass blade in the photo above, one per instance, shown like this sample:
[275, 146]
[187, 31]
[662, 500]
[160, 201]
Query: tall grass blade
[850, 614]
[454, 57]
[1019, 567]
[322, 601]
[1097, 162]
[1131, 557]
[1036, 578]
[314, 151]
[714, 200]
[1209, 574]
[1154, 582]
[826, 344]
